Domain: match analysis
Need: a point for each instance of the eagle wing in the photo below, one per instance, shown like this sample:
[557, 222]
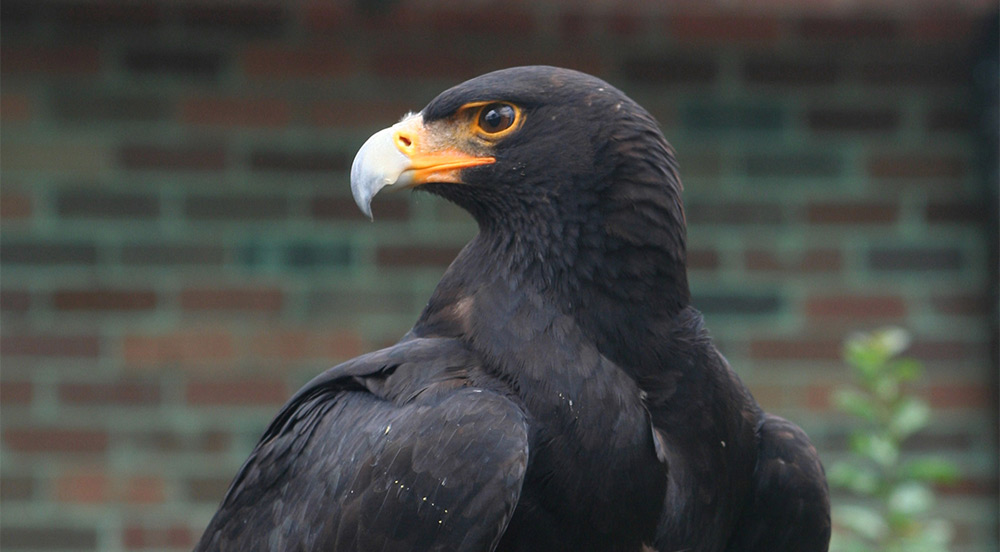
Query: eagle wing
[790, 506]
[395, 450]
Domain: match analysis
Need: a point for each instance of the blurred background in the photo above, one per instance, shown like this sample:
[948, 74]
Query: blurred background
[180, 250]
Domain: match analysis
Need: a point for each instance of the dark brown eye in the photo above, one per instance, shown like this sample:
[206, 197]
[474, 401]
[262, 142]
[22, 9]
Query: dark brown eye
[496, 118]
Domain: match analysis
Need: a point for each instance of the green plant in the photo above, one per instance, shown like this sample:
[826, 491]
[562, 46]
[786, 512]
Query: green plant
[894, 494]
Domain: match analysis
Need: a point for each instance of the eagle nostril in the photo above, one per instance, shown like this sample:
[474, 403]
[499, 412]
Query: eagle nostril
[403, 142]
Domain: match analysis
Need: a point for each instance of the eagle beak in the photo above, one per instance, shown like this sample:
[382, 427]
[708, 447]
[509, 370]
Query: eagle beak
[405, 155]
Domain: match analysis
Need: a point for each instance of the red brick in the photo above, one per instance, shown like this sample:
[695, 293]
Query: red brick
[174, 61]
[308, 161]
[321, 15]
[759, 259]
[868, 120]
[847, 28]
[852, 213]
[260, 18]
[724, 28]
[91, 203]
[776, 70]
[811, 261]
[771, 397]
[75, 158]
[349, 303]
[795, 349]
[583, 56]
[41, 253]
[415, 255]
[236, 112]
[855, 307]
[962, 304]
[15, 301]
[103, 300]
[734, 212]
[243, 392]
[237, 207]
[41, 345]
[49, 440]
[577, 24]
[182, 347]
[207, 489]
[962, 395]
[359, 113]
[343, 344]
[940, 27]
[14, 206]
[16, 392]
[232, 299]
[914, 72]
[51, 536]
[817, 397]
[50, 60]
[166, 441]
[671, 70]
[395, 20]
[703, 259]
[83, 487]
[173, 254]
[984, 486]
[956, 212]
[79, 17]
[945, 350]
[283, 345]
[918, 259]
[820, 260]
[274, 61]
[948, 120]
[118, 393]
[139, 537]
[624, 22]
[13, 488]
[917, 165]
[344, 208]
[399, 60]
[14, 108]
[472, 20]
[144, 489]
[188, 158]
[928, 441]
[292, 346]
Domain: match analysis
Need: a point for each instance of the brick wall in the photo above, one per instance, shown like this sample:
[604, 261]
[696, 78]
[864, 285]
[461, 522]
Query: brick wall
[180, 250]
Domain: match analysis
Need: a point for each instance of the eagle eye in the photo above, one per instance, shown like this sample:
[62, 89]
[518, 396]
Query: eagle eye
[496, 117]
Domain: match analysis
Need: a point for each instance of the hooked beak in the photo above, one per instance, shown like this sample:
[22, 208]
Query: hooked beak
[405, 155]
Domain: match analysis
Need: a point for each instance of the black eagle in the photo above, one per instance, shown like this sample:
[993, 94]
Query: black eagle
[559, 391]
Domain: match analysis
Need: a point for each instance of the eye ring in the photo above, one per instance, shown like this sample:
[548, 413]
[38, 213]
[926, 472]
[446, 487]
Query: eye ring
[497, 117]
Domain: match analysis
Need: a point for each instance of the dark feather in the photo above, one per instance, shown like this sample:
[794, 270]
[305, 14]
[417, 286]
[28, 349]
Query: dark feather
[559, 391]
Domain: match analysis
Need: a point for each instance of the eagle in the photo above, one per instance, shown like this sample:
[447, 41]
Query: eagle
[559, 391]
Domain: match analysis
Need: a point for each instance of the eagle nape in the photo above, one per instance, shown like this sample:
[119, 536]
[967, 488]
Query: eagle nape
[559, 391]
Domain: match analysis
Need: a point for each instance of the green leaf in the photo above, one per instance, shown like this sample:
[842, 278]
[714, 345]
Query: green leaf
[854, 478]
[886, 388]
[891, 341]
[938, 532]
[865, 359]
[876, 447]
[906, 369]
[843, 541]
[861, 520]
[909, 416]
[855, 403]
[934, 470]
[910, 498]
